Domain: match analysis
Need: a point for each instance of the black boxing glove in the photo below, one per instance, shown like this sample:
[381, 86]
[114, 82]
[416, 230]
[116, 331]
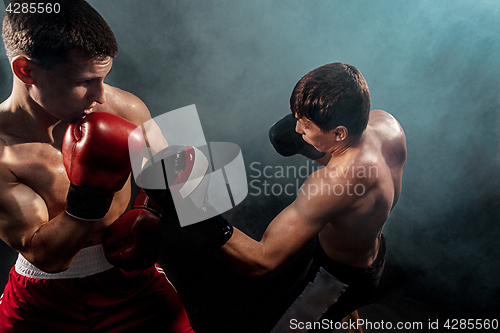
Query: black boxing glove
[212, 233]
[287, 142]
[187, 172]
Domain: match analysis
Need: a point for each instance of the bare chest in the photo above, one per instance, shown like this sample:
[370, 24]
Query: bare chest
[40, 167]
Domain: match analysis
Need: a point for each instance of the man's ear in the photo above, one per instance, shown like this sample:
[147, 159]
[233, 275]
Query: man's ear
[340, 133]
[22, 68]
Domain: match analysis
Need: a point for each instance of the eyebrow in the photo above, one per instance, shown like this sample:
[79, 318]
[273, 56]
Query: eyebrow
[302, 121]
[94, 77]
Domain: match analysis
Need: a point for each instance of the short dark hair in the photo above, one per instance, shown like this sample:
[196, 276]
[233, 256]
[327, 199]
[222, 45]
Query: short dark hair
[48, 38]
[333, 95]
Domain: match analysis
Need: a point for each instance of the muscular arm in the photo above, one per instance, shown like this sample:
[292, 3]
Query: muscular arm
[50, 245]
[286, 235]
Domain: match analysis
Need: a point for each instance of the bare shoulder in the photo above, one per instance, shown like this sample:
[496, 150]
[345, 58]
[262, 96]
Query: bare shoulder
[391, 134]
[125, 104]
[384, 119]
[326, 192]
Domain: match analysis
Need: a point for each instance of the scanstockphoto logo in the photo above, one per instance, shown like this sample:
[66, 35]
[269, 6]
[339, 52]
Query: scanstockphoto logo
[348, 180]
[204, 179]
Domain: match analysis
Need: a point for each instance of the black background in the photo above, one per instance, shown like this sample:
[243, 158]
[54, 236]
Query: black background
[432, 64]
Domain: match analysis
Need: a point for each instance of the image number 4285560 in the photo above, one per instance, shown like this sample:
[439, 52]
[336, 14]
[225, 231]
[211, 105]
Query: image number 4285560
[33, 8]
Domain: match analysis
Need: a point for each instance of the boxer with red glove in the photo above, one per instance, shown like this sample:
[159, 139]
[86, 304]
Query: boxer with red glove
[61, 281]
[96, 157]
[133, 241]
[288, 142]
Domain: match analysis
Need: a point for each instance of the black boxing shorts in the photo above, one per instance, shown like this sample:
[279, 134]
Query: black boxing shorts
[331, 291]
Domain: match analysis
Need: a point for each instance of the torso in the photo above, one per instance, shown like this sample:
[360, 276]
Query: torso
[353, 234]
[39, 166]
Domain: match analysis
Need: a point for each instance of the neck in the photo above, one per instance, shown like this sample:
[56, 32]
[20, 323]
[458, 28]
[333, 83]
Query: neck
[345, 145]
[28, 119]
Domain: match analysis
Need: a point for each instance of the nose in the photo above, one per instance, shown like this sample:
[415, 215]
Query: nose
[298, 128]
[97, 93]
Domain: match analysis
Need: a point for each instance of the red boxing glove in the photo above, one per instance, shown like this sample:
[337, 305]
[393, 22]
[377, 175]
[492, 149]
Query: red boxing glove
[133, 241]
[96, 157]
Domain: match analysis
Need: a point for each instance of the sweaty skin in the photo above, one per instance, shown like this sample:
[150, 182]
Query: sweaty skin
[346, 203]
[33, 180]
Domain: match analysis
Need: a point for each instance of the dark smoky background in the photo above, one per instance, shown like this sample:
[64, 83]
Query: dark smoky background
[434, 65]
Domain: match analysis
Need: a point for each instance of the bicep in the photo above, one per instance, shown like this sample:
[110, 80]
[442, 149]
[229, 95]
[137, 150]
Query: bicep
[292, 230]
[287, 234]
[315, 206]
[22, 212]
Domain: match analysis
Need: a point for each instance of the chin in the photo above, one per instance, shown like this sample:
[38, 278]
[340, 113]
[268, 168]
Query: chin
[70, 119]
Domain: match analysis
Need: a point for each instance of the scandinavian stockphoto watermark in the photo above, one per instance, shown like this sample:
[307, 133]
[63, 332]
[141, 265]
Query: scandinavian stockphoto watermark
[349, 179]
[213, 177]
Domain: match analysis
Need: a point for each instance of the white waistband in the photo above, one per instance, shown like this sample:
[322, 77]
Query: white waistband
[88, 261]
